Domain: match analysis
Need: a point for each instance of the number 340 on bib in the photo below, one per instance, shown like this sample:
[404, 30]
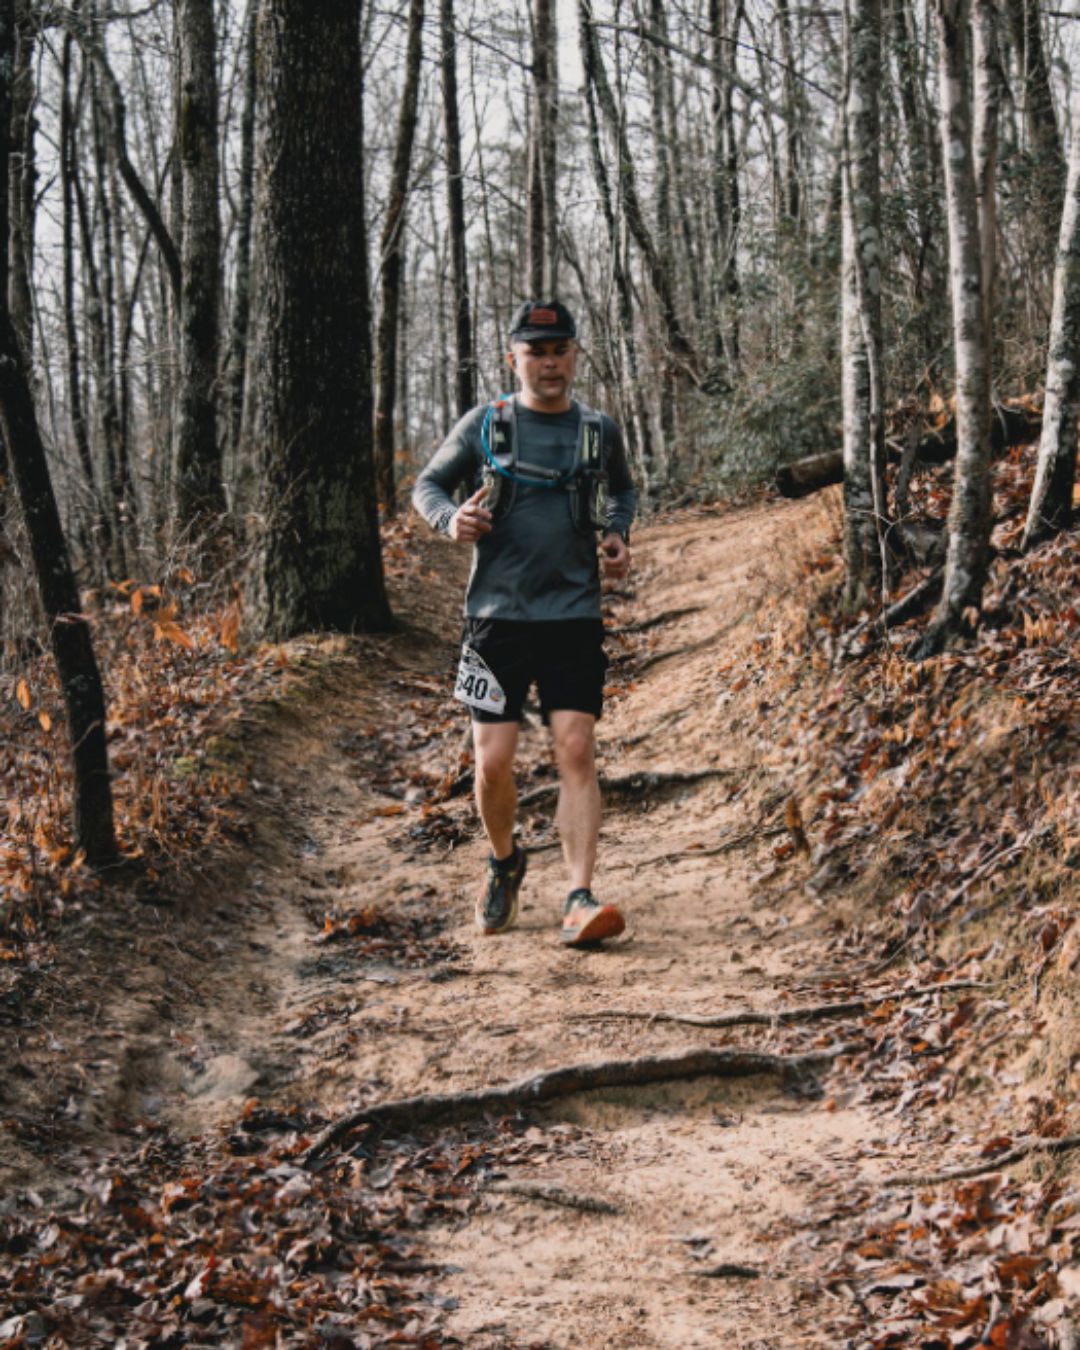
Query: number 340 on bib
[476, 685]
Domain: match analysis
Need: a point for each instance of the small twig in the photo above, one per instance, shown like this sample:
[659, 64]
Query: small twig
[687, 854]
[749, 1018]
[551, 1194]
[1003, 1160]
[407, 1113]
[636, 783]
[729, 1270]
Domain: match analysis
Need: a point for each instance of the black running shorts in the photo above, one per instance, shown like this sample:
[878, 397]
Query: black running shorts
[565, 658]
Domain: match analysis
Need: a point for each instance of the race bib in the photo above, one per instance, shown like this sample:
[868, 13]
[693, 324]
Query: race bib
[476, 685]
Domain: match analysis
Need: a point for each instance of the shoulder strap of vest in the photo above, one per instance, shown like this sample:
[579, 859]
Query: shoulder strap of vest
[590, 451]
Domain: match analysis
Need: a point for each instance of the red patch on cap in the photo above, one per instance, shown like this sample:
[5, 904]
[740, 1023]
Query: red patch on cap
[543, 316]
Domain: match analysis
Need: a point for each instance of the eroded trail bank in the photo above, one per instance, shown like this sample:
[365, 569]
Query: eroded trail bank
[330, 965]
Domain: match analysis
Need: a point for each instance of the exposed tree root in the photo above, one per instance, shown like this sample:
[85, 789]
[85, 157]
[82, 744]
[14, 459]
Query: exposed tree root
[632, 784]
[666, 616]
[647, 662]
[995, 1164]
[551, 1194]
[747, 1018]
[407, 1113]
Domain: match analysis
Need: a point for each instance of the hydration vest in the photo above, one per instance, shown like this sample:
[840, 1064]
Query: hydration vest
[585, 482]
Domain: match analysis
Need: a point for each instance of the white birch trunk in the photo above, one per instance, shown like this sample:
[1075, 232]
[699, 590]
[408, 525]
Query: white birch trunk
[864, 437]
[1050, 509]
[969, 516]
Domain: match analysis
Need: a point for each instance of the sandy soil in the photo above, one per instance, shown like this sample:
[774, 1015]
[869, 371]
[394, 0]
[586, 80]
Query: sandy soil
[227, 996]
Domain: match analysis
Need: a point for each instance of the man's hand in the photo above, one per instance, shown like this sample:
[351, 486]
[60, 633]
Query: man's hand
[614, 557]
[471, 520]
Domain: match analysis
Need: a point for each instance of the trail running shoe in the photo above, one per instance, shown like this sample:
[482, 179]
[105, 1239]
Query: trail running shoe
[586, 920]
[497, 903]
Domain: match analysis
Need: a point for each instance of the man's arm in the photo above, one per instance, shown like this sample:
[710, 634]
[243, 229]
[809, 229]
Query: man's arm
[452, 464]
[621, 493]
[615, 544]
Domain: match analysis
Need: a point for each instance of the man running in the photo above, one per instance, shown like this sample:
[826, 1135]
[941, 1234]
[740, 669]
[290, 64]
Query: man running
[547, 477]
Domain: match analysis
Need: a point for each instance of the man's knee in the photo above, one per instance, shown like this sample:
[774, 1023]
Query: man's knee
[574, 743]
[494, 757]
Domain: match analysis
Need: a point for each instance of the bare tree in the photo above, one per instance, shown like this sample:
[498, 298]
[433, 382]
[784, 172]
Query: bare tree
[391, 262]
[1050, 509]
[69, 631]
[967, 555]
[465, 357]
[197, 455]
[864, 425]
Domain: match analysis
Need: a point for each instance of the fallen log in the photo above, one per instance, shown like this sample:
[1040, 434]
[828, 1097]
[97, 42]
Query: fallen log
[408, 1113]
[1009, 426]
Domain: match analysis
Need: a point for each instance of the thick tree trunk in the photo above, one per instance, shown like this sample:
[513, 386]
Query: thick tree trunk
[392, 259]
[197, 463]
[1050, 509]
[69, 631]
[864, 425]
[969, 516]
[317, 561]
[465, 356]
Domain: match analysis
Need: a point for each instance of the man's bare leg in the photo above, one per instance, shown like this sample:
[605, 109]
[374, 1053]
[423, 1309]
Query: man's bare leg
[578, 816]
[494, 744]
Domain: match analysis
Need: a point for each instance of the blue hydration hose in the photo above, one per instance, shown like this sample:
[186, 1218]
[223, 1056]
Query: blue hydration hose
[559, 482]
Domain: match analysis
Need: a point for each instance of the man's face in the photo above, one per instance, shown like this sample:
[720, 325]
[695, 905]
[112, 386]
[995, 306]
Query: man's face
[545, 368]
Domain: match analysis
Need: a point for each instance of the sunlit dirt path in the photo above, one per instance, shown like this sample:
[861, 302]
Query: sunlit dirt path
[698, 1175]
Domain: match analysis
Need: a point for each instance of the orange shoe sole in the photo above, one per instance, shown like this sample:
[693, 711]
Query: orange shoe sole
[607, 922]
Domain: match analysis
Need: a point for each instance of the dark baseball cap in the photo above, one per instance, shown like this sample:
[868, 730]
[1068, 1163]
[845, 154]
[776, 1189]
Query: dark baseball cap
[536, 320]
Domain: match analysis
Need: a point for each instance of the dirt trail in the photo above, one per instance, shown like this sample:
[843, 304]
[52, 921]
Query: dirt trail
[243, 1002]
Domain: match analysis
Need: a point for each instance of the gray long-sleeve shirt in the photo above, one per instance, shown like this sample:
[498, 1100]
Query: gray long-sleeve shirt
[535, 565]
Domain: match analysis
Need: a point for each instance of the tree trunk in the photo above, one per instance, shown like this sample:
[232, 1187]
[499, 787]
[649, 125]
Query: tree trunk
[1025, 23]
[635, 216]
[542, 229]
[22, 206]
[317, 561]
[967, 556]
[76, 408]
[625, 300]
[69, 631]
[391, 260]
[1050, 509]
[238, 338]
[197, 449]
[727, 205]
[465, 357]
[989, 87]
[864, 426]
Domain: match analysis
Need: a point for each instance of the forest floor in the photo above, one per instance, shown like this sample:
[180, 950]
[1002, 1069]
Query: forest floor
[169, 1070]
